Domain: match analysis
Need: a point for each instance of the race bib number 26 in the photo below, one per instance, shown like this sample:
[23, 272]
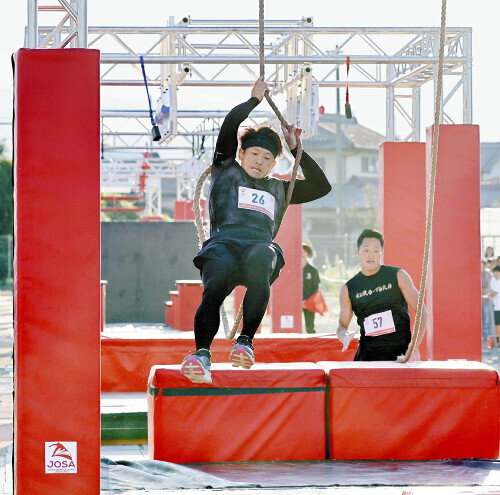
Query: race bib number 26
[379, 324]
[254, 199]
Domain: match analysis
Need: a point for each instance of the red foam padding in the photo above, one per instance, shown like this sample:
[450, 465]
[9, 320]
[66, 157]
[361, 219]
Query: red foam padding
[126, 362]
[402, 210]
[455, 322]
[188, 301]
[418, 411]
[267, 413]
[286, 291]
[57, 268]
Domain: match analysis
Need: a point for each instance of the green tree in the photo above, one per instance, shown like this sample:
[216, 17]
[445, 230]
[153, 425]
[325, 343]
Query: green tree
[6, 205]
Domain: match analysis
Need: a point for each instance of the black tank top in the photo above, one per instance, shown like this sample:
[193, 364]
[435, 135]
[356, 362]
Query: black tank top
[236, 198]
[377, 293]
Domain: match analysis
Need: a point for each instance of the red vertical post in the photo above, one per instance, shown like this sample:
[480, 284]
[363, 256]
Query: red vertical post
[286, 292]
[190, 294]
[183, 210]
[454, 285]
[168, 313]
[402, 209]
[179, 210]
[57, 272]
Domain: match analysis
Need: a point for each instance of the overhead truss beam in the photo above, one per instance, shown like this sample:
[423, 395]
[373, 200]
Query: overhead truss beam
[300, 59]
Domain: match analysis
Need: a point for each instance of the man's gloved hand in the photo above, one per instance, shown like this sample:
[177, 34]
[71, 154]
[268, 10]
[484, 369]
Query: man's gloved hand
[344, 337]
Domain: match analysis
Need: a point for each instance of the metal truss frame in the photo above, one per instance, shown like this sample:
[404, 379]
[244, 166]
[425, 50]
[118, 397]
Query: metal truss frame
[300, 59]
[123, 175]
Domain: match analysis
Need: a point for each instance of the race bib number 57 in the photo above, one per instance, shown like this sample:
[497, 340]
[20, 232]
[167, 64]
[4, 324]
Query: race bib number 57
[379, 324]
[254, 199]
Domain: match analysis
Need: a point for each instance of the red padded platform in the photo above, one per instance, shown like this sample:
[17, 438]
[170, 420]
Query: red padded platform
[126, 363]
[270, 412]
[417, 411]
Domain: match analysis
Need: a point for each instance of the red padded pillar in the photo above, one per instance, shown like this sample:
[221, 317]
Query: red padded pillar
[286, 292]
[168, 313]
[190, 294]
[57, 272]
[454, 285]
[183, 210]
[402, 210]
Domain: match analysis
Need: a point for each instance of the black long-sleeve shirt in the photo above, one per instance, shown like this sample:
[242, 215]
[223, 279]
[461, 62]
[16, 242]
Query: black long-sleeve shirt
[314, 185]
[310, 278]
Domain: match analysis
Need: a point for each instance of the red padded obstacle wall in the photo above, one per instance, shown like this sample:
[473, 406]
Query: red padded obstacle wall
[454, 286]
[57, 272]
[126, 362]
[188, 300]
[286, 291]
[402, 210]
[183, 210]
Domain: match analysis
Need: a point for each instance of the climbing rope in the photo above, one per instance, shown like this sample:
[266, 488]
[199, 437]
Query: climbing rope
[417, 327]
[230, 333]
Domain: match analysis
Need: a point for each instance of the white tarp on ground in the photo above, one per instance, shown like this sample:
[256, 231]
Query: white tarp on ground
[146, 474]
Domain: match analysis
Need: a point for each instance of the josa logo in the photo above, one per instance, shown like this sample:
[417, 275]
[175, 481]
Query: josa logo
[60, 457]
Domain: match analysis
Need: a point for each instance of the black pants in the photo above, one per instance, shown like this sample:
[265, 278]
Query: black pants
[219, 279]
[309, 320]
[380, 353]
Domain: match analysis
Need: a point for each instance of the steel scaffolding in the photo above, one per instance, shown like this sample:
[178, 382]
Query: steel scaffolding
[300, 58]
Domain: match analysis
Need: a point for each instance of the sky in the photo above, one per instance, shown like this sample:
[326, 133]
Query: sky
[481, 15]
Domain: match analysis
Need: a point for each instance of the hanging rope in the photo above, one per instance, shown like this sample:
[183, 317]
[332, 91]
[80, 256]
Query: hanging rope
[230, 333]
[417, 328]
[155, 130]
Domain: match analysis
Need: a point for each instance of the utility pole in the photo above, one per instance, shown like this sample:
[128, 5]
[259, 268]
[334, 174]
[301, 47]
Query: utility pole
[340, 166]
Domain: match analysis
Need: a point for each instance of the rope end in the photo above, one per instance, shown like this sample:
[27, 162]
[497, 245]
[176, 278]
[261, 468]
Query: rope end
[401, 359]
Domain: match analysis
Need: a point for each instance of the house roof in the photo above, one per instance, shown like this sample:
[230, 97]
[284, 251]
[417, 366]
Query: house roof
[354, 194]
[354, 135]
[490, 195]
[490, 156]
[358, 136]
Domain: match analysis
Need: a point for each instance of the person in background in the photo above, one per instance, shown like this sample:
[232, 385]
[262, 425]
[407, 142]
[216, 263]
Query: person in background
[310, 284]
[492, 262]
[495, 294]
[379, 296]
[489, 252]
[486, 309]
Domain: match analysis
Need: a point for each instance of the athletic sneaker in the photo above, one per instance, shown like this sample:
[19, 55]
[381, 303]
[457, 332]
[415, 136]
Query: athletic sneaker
[196, 367]
[242, 353]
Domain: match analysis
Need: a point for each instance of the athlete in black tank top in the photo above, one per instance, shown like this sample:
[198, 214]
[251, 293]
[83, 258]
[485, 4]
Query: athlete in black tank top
[379, 296]
[246, 209]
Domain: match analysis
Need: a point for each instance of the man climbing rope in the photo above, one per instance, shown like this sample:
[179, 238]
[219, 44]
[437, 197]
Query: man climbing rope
[246, 209]
[379, 295]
